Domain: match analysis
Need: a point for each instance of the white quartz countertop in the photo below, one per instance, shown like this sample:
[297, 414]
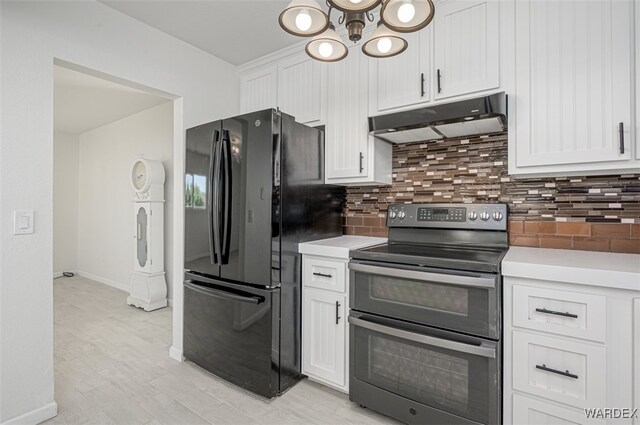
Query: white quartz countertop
[339, 247]
[605, 269]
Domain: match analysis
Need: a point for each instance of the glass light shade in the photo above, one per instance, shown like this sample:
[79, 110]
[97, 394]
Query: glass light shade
[327, 47]
[407, 15]
[384, 43]
[354, 6]
[304, 18]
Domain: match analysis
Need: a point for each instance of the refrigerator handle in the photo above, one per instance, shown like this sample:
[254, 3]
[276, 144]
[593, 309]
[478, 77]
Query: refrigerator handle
[226, 184]
[216, 189]
[211, 203]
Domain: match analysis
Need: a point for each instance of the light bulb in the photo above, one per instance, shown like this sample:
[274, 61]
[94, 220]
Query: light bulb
[325, 49]
[406, 12]
[384, 45]
[355, 1]
[303, 20]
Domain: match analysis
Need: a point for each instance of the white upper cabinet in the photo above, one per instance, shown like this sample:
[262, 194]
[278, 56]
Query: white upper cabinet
[258, 89]
[352, 156]
[404, 80]
[466, 47]
[573, 96]
[302, 88]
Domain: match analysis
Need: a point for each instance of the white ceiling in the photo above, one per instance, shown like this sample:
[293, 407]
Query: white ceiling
[83, 102]
[236, 31]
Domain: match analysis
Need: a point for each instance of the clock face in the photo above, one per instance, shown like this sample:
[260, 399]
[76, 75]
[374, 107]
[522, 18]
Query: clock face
[139, 175]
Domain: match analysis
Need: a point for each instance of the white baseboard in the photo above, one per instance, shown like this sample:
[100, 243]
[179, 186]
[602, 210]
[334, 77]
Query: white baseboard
[109, 282]
[35, 416]
[175, 354]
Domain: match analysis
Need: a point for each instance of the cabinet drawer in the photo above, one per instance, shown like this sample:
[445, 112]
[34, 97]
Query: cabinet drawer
[324, 274]
[567, 313]
[530, 411]
[569, 372]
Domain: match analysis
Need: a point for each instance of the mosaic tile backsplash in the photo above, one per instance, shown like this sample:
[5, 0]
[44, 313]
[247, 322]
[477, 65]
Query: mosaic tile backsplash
[598, 213]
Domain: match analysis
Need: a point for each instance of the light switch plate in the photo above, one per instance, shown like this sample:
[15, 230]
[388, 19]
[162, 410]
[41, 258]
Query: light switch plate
[23, 222]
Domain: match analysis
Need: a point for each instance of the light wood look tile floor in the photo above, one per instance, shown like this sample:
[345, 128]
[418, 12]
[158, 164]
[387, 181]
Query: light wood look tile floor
[112, 367]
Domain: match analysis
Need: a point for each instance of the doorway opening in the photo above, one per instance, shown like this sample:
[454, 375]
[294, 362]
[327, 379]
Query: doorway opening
[101, 126]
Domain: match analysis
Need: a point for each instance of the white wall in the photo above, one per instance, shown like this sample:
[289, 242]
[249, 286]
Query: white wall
[90, 34]
[65, 202]
[105, 213]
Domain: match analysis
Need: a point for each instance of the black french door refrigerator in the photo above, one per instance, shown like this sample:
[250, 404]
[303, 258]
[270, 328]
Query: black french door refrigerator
[254, 189]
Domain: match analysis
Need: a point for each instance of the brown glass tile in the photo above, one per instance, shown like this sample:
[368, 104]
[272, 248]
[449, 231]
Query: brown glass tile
[635, 231]
[611, 231]
[540, 227]
[631, 246]
[516, 226]
[524, 240]
[590, 244]
[573, 229]
[558, 242]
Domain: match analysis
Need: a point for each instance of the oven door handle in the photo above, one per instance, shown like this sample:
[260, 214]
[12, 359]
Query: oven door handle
[479, 282]
[485, 349]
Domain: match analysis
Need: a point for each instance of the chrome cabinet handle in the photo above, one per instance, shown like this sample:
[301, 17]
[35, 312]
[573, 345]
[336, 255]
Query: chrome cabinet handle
[478, 282]
[322, 275]
[422, 91]
[439, 86]
[361, 159]
[556, 313]
[485, 349]
[621, 131]
[557, 372]
[337, 312]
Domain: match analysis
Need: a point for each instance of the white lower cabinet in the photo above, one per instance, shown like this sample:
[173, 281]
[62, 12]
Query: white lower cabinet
[568, 348]
[323, 336]
[527, 410]
[325, 307]
[636, 357]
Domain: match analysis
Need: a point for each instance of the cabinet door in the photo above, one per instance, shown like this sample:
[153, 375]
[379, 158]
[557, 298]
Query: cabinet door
[258, 89]
[302, 88]
[323, 336]
[401, 80]
[467, 52]
[347, 127]
[573, 82]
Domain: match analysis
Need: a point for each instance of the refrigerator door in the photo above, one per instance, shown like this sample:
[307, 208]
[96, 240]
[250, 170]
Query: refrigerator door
[249, 172]
[202, 164]
[232, 331]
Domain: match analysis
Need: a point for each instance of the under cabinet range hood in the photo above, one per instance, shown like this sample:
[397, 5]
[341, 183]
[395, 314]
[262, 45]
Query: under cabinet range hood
[481, 115]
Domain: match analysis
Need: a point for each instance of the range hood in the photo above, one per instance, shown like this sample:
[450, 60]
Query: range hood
[482, 115]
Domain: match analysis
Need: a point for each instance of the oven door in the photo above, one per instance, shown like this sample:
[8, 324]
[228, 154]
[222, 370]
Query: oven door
[458, 301]
[423, 375]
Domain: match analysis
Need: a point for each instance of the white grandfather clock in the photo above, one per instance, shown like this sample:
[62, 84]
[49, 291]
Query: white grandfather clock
[148, 289]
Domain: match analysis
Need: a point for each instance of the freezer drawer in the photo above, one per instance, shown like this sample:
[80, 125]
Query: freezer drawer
[233, 331]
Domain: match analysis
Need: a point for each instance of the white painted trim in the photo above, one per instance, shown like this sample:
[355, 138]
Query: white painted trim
[36, 416]
[176, 354]
[104, 280]
[170, 302]
[179, 149]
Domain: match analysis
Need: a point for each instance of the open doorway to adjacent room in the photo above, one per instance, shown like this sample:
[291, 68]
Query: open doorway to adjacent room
[100, 127]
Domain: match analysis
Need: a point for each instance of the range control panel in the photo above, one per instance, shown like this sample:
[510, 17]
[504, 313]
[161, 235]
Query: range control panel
[452, 216]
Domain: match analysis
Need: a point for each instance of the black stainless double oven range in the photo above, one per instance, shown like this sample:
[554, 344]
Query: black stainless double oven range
[426, 315]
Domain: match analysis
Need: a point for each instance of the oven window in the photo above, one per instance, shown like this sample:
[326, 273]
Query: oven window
[419, 372]
[452, 381]
[418, 294]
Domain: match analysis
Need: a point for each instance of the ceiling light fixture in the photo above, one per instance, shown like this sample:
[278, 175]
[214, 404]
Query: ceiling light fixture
[305, 18]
